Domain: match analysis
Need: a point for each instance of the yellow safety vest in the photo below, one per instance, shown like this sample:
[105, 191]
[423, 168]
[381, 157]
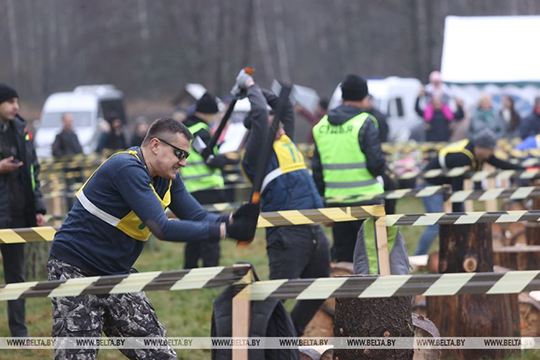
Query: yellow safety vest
[343, 162]
[455, 148]
[197, 175]
[130, 224]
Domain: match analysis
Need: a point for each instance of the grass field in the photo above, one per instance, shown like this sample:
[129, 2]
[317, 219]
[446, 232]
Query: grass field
[183, 313]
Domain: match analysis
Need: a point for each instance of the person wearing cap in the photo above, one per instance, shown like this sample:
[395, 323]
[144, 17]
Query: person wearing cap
[21, 202]
[472, 153]
[203, 173]
[300, 251]
[118, 207]
[347, 160]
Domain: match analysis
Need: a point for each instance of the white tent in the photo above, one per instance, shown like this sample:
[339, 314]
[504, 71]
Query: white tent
[491, 49]
[495, 55]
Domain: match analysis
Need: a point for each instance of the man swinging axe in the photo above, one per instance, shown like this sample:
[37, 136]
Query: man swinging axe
[106, 230]
[300, 251]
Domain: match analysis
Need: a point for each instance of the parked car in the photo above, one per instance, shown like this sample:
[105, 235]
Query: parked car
[395, 97]
[89, 104]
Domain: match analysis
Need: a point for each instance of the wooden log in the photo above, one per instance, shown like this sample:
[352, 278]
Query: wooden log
[533, 229]
[423, 328]
[322, 323]
[523, 258]
[529, 311]
[379, 317]
[518, 257]
[466, 248]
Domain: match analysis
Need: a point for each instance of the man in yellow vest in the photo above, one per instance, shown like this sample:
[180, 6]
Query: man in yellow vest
[347, 159]
[300, 251]
[202, 176]
[458, 154]
[117, 208]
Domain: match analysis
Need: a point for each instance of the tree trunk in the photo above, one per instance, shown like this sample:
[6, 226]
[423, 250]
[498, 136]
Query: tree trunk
[523, 260]
[468, 248]
[36, 255]
[379, 317]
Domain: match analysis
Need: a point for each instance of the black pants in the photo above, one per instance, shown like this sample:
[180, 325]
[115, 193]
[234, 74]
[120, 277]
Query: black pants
[345, 234]
[208, 252]
[15, 272]
[299, 252]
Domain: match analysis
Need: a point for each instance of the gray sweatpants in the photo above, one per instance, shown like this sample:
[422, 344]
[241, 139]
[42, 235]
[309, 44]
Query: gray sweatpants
[117, 315]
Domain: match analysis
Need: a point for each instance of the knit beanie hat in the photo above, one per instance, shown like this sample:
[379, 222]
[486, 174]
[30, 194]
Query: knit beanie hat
[354, 88]
[485, 139]
[207, 104]
[7, 93]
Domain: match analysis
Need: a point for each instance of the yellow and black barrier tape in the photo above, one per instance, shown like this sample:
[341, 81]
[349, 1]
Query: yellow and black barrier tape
[512, 282]
[116, 284]
[266, 219]
[84, 174]
[22, 235]
[312, 216]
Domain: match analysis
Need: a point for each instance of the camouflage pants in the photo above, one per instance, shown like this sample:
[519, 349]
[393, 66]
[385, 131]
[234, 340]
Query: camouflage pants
[118, 315]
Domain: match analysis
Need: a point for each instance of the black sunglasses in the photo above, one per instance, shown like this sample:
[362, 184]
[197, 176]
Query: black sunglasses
[180, 154]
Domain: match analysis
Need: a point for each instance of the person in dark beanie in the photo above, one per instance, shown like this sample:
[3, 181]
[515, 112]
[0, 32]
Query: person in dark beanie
[347, 164]
[469, 152]
[203, 175]
[347, 159]
[21, 203]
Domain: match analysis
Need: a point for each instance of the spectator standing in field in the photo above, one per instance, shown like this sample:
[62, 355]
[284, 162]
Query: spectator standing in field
[438, 116]
[21, 202]
[313, 119]
[485, 117]
[510, 116]
[530, 126]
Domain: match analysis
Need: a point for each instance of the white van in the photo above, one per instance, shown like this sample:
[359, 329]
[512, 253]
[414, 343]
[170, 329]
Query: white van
[395, 97]
[89, 104]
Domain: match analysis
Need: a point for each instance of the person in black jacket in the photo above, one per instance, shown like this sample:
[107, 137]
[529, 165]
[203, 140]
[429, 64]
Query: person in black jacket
[66, 142]
[382, 122]
[21, 203]
[114, 138]
[203, 190]
[438, 116]
[354, 90]
[462, 153]
[300, 251]
[530, 126]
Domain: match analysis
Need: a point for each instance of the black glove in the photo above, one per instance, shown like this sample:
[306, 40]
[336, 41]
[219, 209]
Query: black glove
[244, 222]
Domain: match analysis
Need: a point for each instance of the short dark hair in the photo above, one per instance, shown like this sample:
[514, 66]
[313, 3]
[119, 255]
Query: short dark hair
[165, 126]
[537, 101]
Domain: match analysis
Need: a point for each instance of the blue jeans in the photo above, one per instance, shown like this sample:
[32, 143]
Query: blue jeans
[432, 204]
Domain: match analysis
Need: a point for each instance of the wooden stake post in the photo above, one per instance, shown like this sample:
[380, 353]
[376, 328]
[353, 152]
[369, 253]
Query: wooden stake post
[467, 185]
[382, 246]
[241, 319]
[491, 205]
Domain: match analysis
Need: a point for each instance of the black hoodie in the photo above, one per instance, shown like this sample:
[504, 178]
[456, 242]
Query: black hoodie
[368, 138]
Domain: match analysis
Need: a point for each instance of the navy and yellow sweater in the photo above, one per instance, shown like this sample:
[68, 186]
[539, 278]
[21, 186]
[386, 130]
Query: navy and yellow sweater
[121, 188]
[293, 187]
